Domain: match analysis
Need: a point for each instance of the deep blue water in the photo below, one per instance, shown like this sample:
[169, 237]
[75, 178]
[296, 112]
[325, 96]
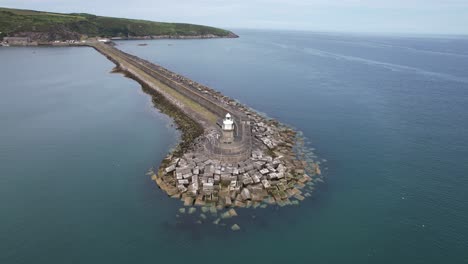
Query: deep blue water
[388, 113]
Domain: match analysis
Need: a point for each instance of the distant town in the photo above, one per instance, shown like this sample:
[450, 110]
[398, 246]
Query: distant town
[27, 41]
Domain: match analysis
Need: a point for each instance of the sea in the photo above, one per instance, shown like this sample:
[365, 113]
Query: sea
[385, 115]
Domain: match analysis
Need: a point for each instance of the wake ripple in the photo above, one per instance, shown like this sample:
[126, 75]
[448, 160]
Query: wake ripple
[390, 66]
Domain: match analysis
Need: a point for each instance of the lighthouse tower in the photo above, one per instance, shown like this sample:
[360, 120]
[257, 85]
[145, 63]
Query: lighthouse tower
[228, 129]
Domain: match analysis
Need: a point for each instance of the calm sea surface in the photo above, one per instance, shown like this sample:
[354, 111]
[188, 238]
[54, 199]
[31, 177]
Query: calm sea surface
[388, 113]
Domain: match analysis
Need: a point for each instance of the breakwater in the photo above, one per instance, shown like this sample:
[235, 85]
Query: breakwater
[243, 160]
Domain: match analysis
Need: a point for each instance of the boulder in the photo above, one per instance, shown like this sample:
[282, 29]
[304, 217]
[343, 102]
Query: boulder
[246, 180]
[181, 189]
[217, 179]
[239, 204]
[199, 201]
[227, 201]
[256, 178]
[225, 215]
[245, 194]
[183, 182]
[249, 167]
[299, 197]
[208, 187]
[170, 168]
[258, 165]
[281, 168]
[188, 201]
[195, 180]
[213, 210]
[225, 178]
[276, 163]
[272, 176]
[232, 212]
[266, 184]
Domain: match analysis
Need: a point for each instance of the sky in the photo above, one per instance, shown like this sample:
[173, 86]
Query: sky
[367, 16]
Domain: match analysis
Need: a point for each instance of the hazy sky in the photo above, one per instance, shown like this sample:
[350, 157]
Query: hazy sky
[394, 16]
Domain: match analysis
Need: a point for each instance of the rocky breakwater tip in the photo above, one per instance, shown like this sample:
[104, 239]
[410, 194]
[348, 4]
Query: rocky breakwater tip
[276, 172]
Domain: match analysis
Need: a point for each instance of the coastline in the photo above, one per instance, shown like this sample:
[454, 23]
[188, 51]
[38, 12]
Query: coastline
[72, 43]
[207, 36]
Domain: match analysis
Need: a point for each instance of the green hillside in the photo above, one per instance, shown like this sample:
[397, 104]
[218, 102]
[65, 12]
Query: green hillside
[46, 26]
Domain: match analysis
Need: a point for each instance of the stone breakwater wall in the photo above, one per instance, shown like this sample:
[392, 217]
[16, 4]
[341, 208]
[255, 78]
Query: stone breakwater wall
[259, 169]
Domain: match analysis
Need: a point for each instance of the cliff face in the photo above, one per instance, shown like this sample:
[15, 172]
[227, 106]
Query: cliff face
[44, 26]
[56, 34]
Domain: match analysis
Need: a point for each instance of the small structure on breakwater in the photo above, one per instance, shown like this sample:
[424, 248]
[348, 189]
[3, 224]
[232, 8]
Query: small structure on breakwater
[231, 142]
[227, 136]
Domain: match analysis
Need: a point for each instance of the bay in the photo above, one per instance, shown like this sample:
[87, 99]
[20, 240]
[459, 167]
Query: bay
[388, 113]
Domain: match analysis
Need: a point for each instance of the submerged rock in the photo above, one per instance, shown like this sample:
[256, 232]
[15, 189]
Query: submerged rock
[213, 210]
[225, 215]
[232, 212]
[299, 197]
[235, 227]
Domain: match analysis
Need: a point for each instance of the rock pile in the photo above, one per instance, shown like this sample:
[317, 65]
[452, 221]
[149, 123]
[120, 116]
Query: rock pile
[272, 174]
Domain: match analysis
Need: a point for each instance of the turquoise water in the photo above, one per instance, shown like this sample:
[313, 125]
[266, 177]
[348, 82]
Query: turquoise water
[389, 114]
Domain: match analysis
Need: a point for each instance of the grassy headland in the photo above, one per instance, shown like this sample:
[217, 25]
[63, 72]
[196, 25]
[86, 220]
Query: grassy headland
[46, 26]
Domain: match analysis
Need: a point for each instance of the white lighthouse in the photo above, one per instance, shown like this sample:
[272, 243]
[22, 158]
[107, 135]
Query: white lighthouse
[228, 124]
[228, 129]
